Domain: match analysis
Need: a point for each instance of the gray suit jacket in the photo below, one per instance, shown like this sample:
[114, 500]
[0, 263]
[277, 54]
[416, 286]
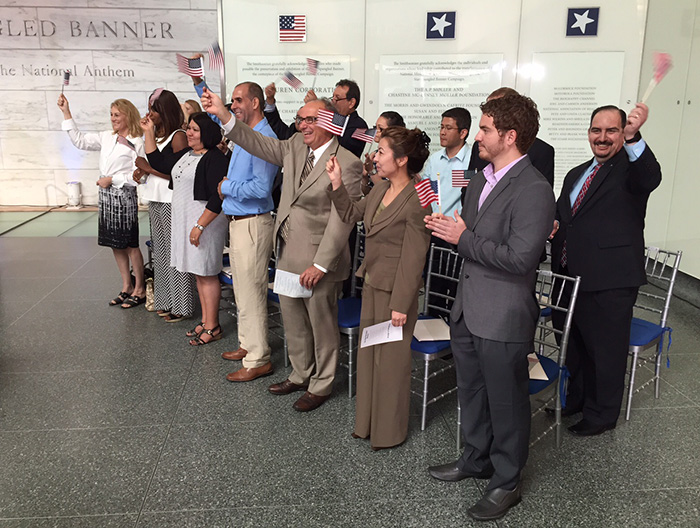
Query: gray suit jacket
[317, 235]
[501, 249]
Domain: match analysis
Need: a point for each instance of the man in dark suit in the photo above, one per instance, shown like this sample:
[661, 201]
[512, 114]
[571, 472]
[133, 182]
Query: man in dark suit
[600, 222]
[313, 242]
[541, 154]
[508, 211]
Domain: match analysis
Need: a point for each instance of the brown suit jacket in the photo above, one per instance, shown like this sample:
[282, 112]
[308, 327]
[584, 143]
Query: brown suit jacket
[395, 245]
[317, 235]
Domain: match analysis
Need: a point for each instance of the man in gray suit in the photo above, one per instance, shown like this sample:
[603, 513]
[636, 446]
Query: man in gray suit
[508, 213]
[313, 242]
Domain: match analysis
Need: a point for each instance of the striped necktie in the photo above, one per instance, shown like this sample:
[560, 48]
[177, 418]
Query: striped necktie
[577, 204]
[284, 228]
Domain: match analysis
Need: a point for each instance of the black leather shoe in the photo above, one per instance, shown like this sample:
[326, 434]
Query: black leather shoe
[586, 428]
[452, 473]
[565, 413]
[495, 504]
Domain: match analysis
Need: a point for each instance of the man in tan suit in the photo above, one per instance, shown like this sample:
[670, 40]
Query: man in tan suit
[313, 242]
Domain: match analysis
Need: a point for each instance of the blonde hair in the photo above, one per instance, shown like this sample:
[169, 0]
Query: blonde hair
[127, 108]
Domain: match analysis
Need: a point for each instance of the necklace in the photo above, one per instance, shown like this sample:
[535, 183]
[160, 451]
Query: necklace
[191, 158]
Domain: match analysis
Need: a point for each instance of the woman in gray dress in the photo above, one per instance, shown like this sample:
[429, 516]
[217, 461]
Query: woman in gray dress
[198, 227]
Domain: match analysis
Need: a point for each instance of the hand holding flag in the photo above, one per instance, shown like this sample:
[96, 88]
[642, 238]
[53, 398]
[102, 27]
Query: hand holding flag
[662, 64]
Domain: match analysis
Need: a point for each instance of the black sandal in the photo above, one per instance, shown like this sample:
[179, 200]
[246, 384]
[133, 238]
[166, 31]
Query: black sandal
[132, 301]
[193, 332]
[198, 341]
[119, 299]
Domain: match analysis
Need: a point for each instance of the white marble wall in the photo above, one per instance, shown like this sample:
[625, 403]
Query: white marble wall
[41, 38]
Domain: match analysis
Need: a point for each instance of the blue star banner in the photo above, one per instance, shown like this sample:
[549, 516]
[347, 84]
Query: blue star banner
[441, 25]
[582, 22]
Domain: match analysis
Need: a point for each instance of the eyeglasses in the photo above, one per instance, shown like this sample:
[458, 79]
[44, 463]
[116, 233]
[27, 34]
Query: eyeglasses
[310, 120]
[335, 99]
[448, 128]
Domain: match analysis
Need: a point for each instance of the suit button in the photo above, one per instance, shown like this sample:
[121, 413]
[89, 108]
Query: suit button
[466, 276]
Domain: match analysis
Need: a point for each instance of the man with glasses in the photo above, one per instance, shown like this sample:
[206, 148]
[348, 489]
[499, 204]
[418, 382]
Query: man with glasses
[454, 155]
[312, 242]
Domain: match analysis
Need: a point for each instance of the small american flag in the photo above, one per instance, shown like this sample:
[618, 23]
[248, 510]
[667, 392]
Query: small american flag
[66, 78]
[292, 80]
[191, 67]
[427, 192]
[216, 57]
[662, 63]
[312, 64]
[459, 178]
[364, 135]
[128, 144]
[292, 28]
[332, 121]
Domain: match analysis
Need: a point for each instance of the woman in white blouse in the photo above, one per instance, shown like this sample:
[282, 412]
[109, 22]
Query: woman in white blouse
[118, 202]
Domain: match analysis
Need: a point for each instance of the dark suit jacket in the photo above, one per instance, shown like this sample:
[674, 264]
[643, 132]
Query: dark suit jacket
[501, 249]
[395, 244]
[605, 238]
[281, 130]
[317, 235]
[541, 155]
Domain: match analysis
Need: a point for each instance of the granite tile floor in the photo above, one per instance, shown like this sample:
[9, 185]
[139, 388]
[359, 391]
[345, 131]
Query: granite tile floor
[109, 419]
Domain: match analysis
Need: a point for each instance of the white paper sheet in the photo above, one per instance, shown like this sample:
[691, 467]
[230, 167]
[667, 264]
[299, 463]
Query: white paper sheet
[431, 330]
[287, 284]
[381, 333]
[535, 368]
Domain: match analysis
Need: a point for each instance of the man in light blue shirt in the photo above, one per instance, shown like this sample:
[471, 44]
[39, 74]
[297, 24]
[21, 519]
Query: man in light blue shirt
[247, 202]
[454, 155]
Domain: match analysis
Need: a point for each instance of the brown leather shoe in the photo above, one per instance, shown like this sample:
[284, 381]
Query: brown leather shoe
[235, 355]
[286, 387]
[249, 374]
[309, 402]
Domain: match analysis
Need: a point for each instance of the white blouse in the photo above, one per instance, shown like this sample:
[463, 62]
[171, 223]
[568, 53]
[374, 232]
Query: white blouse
[116, 160]
[156, 188]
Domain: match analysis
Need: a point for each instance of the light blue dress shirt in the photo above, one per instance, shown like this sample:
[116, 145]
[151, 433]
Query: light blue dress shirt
[439, 163]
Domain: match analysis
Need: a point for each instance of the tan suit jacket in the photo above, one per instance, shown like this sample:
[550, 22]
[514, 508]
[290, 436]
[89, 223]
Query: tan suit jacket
[317, 235]
[395, 245]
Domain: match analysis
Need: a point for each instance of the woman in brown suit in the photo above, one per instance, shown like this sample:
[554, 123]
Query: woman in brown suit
[395, 247]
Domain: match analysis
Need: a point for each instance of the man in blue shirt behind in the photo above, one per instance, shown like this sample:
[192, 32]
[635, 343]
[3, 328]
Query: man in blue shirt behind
[247, 202]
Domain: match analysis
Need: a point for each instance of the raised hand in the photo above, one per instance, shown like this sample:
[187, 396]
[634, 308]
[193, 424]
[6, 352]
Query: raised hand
[63, 105]
[270, 92]
[635, 119]
[310, 96]
[334, 172]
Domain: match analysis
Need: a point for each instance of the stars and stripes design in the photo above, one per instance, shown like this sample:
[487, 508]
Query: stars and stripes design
[292, 80]
[312, 65]
[428, 192]
[128, 144]
[364, 134]
[459, 178]
[292, 28]
[191, 67]
[332, 122]
[66, 78]
[216, 57]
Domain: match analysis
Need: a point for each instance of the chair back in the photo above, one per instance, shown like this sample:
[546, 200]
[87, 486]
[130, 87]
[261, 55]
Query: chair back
[661, 268]
[444, 270]
[358, 256]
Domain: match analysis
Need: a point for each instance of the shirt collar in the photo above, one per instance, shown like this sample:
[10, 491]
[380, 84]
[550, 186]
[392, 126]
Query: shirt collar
[493, 178]
[320, 150]
[460, 155]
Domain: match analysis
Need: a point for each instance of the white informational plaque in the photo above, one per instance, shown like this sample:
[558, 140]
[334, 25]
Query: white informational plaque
[381, 333]
[422, 87]
[287, 284]
[567, 87]
[431, 330]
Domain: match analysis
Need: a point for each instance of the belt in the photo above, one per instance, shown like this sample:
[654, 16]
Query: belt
[243, 217]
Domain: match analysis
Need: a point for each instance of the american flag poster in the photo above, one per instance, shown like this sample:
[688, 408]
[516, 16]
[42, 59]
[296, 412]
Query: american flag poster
[331, 121]
[292, 28]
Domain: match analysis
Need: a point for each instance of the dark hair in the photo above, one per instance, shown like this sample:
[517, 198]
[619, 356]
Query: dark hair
[461, 116]
[393, 118]
[210, 132]
[502, 92]
[623, 115]
[411, 143]
[515, 112]
[255, 92]
[353, 90]
[170, 112]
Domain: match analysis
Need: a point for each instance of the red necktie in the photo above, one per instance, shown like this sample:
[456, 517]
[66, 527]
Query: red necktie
[577, 204]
